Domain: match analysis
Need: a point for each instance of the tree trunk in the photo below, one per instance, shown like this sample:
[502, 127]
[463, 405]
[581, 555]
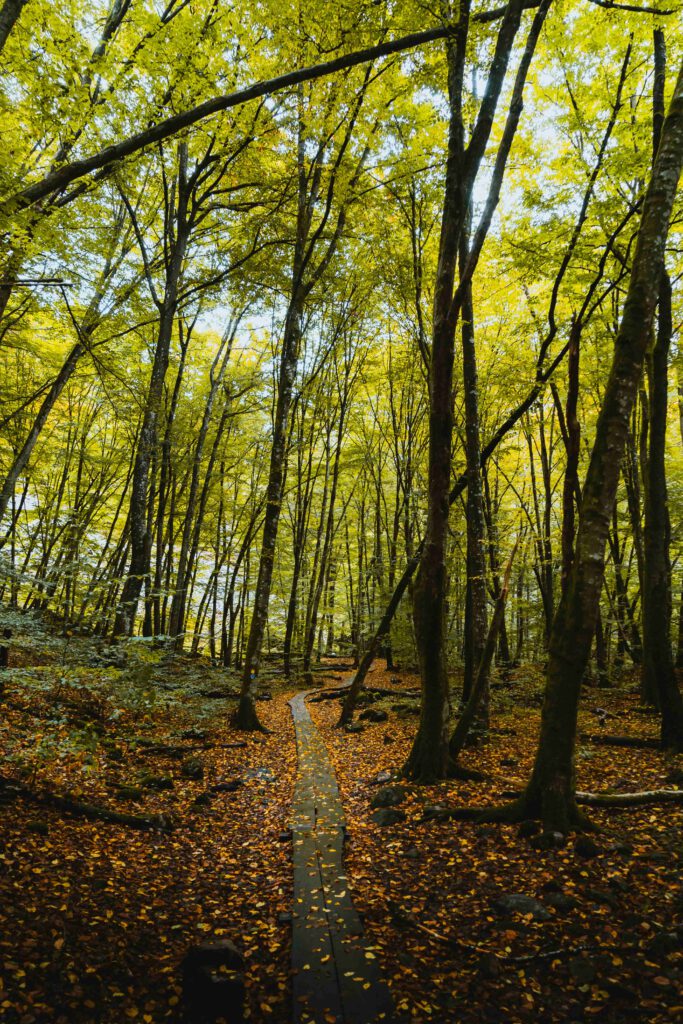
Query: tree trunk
[428, 759]
[9, 15]
[476, 524]
[658, 673]
[551, 791]
[246, 716]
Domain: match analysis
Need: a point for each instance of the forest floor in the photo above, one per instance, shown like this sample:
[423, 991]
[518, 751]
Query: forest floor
[95, 917]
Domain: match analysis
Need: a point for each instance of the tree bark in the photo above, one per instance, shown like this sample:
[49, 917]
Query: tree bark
[9, 15]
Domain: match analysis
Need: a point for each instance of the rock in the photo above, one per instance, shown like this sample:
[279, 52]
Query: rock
[622, 848]
[38, 828]
[388, 816]
[601, 896]
[229, 786]
[662, 944]
[381, 778]
[486, 831]
[373, 715]
[213, 982]
[582, 969]
[548, 841]
[528, 828]
[389, 796]
[111, 657]
[518, 903]
[192, 768]
[354, 727]
[203, 800]
[586, 847]
[260, 774]
[405, 708]
[388, 738]
[156, 783]
[194, 734]
[561, 902]
[489, 965]
[126, 792]
[551, 886]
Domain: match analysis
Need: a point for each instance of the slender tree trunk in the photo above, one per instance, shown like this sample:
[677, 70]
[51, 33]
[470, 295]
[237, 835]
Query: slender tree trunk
[48, 402]
[659, 676]
[246, 716]
[476, 523]
[327, 543]
[428, 759]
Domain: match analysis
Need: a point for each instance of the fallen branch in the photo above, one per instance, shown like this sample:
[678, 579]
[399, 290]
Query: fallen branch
[615, 800]
[404, 918]
[93, 812]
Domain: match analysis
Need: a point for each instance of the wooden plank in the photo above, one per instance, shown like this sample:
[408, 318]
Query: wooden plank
[336, 978]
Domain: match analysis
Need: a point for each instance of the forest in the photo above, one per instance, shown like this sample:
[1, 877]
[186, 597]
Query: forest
[341, 511]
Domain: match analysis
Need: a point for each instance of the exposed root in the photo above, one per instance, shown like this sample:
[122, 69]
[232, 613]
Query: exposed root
[245, 718]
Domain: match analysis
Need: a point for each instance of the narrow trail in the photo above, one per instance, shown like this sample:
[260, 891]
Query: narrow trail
[336, 978]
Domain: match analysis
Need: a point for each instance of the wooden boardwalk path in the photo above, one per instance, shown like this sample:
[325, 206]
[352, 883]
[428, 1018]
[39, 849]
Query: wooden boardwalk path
[336, 978]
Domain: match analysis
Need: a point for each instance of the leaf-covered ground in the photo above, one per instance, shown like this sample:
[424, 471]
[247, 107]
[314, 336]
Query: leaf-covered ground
[95, 918]
[618, 956]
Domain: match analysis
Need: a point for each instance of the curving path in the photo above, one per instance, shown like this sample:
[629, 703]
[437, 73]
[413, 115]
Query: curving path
[336, 979]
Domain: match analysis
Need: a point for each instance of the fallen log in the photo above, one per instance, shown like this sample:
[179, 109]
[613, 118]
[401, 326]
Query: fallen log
[339, 692]
[639, 742]
[613, 800]
[651, 796]
[93, 812]
[179, 750]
